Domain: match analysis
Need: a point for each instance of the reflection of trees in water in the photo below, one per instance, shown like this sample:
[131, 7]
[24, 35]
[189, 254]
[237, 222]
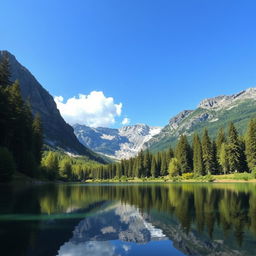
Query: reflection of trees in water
[232, 207]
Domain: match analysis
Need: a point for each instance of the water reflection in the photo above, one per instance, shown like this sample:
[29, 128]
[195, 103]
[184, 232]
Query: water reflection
[118, 222]
[167, 219]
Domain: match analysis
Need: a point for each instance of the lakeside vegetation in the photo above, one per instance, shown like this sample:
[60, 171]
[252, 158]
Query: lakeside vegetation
[203, 160]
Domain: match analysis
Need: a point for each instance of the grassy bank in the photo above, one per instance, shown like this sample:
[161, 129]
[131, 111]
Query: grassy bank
[189, 177]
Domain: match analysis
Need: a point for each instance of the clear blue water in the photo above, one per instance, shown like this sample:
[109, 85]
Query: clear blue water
[131, 219]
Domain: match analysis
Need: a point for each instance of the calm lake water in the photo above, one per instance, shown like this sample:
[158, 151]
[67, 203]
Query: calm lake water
[132, 219]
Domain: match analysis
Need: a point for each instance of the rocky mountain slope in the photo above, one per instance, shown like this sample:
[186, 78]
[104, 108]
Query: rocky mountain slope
[56, 131]
[212, 113]
[120, 143]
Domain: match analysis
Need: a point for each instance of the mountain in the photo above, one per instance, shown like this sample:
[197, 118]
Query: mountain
[120, 143]
[57, 132]
[212, 113]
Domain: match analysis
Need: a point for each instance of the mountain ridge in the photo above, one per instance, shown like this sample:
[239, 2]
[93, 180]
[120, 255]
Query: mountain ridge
[212, 113]
[120, 143]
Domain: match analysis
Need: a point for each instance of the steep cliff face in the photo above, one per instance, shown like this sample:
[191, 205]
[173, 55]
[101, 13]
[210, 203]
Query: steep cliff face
[56, 131]
[212, 113]
[120, 143]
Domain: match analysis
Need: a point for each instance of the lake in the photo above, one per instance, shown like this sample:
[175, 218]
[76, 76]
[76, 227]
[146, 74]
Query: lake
[128, 219]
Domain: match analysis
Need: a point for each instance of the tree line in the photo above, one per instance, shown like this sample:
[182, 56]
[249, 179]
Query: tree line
[21, 137]
[56, 165]
[227, 153]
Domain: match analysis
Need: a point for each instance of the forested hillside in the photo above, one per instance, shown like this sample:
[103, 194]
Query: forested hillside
[21, 137]
[226, 153]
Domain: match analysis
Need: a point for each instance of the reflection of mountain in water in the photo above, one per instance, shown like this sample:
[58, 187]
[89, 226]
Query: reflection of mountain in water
[125, 223]
[121, 222]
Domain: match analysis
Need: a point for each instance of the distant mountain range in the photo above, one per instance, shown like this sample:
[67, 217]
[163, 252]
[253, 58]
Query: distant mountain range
[57, 132]
[120, 143]
[212, 113]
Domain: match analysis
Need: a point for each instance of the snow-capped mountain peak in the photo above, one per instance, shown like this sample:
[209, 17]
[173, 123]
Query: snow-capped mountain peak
[120, 143]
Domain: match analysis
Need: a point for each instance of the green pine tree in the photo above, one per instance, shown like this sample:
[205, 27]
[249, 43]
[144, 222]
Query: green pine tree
[5, 73]
[37, 138]
[139, 165]
[221, 138]
[147, 163]
[250, 144]
[153, 170]
[164, 164]
[183, 154]
[197, 156]
[223, 158]
[234, 149]
[207, 151]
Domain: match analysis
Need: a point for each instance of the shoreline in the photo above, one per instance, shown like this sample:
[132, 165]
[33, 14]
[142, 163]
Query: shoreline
[171, 181]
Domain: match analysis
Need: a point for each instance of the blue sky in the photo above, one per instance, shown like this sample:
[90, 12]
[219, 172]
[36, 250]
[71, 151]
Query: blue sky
[155, 57]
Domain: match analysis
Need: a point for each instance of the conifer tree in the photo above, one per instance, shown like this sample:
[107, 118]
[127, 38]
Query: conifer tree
[197, 156]
[130, 168]
[169, 155]
[183, 154]
[147, 163]
[250, 144]
[223, 158]
[5, 73]
[220, 138]
[243, 162]
[37, 138]
[207, 153]
[234, 149]
[139, 165]
[219, 141]
[153, 171]
[164, 164]
[118, 170]
[215, 157]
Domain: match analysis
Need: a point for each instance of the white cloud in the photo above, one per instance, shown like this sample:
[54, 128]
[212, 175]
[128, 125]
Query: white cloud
[92, 110]
[126, 121]
[95, 248]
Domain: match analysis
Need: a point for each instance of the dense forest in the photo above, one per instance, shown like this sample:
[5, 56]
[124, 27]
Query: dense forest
[21, 137]
[227, 153]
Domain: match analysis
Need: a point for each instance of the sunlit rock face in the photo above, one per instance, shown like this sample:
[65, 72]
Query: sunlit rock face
[120, 143]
